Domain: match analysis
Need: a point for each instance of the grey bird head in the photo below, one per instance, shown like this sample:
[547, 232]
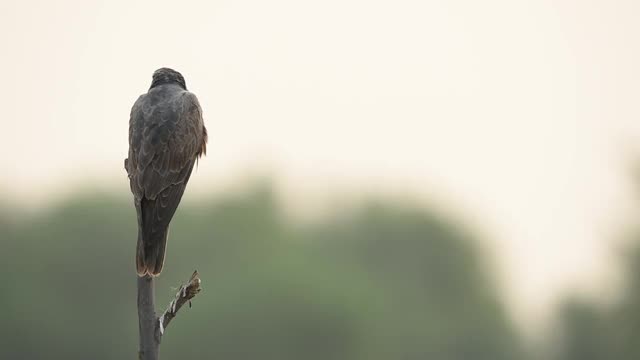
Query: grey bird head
[167, 76]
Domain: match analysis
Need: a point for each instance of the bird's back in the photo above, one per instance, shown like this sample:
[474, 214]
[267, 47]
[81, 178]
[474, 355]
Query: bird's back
[166, 135]
[159, 107]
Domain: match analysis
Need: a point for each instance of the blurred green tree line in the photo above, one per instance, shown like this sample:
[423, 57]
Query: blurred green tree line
[592, 329]
[378, 281]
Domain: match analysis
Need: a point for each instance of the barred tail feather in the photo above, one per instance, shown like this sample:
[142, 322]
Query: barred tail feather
[150, 254]
[154, 258]
[141, 268]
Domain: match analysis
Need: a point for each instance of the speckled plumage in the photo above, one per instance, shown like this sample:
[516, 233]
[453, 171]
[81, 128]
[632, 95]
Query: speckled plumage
[166, 137]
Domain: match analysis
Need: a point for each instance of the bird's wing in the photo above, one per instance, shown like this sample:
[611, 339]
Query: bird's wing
[164, 139]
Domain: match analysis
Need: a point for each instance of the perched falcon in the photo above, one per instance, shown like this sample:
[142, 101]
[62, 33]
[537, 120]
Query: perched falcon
[166, 137]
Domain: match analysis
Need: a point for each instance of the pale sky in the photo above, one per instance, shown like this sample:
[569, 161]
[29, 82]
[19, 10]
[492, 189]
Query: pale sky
[522, 116]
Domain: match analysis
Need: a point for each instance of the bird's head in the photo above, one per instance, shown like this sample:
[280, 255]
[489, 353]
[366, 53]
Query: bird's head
[167, 76]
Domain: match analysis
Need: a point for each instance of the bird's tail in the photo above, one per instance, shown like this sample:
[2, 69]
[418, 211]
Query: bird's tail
[150, 253]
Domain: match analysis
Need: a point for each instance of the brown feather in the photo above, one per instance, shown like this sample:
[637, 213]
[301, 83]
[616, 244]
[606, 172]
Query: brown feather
[166, 137]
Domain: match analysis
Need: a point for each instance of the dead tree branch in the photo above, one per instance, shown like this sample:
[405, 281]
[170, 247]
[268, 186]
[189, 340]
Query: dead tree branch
[185, 293]
[152, 327]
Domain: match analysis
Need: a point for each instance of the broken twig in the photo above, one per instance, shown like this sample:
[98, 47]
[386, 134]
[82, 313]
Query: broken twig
[152, 327]
[185, 293]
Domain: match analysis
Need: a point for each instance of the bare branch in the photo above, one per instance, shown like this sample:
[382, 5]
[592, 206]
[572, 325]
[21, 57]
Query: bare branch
[184, 295]
[147, 319]
[152, 327]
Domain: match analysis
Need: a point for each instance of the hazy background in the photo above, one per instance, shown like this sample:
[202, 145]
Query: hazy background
[514, 123]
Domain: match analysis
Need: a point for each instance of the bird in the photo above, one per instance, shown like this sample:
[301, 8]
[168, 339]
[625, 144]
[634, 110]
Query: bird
[167, 136]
